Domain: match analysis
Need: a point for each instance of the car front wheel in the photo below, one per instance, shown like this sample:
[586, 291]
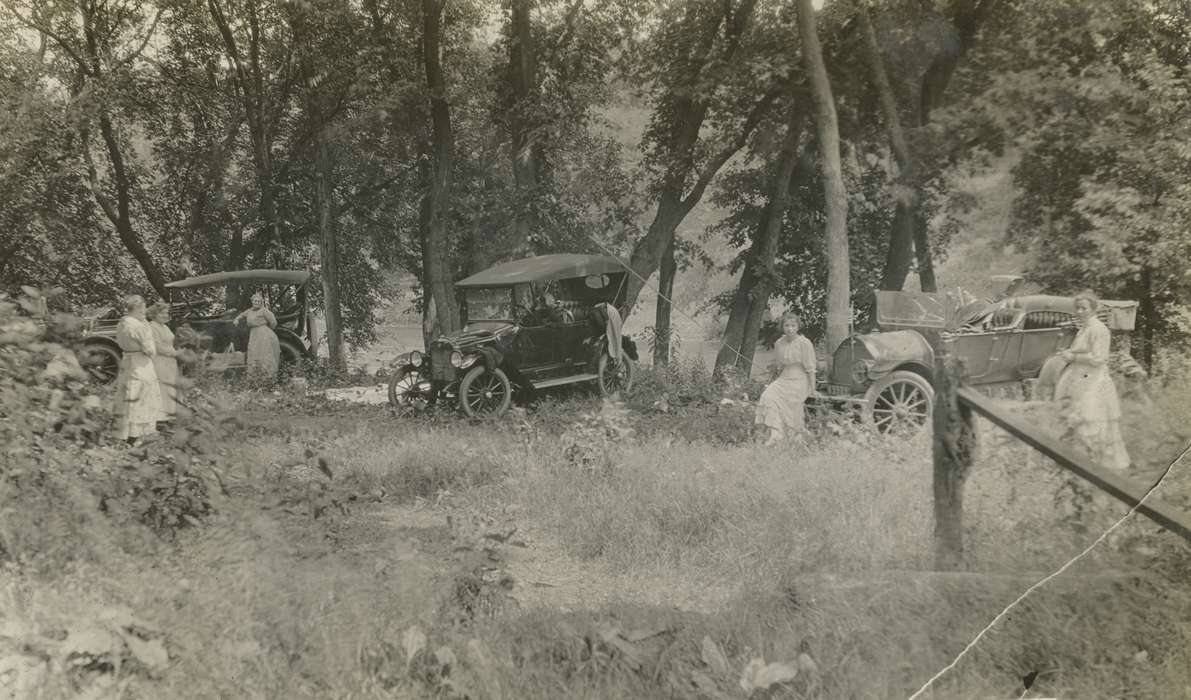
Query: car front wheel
[101, 361]
[615, 375]
[899, 403]
[408, 388]
[485, 392]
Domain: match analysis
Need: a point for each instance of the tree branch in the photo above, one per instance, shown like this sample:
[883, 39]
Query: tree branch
[713, 165]
[44, 31]
[144, 42]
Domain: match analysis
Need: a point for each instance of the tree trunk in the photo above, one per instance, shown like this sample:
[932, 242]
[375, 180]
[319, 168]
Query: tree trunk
[909, 231]
[756, 282]
[436, 271]
[900, 256]
[675, 201]
[1149, 317]
[835, 197]
[662, 328]
[250, 84]
[901, 240]
[118, 213]
[926, 265]
[329, 250]
[526, 152]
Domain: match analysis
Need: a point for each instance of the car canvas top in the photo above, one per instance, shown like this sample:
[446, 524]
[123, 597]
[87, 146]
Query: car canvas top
[544, 268]
[261, 276]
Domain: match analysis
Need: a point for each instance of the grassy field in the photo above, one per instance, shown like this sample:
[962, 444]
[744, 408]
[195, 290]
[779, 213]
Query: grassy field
[615, 551]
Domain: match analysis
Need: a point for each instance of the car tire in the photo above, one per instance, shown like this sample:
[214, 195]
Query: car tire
[614, 375]
[292, 359]
[403, 389]
[485, 392]
[901, 402]
[102, 362]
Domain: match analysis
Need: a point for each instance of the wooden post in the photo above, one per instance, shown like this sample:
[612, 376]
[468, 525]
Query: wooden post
[954, 447]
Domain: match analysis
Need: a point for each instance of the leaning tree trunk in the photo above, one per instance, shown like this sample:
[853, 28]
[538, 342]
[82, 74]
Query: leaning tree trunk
[436, 270]
[908, 235]
[900, 254]
[756, 282]
[662, 327]
[835, 196]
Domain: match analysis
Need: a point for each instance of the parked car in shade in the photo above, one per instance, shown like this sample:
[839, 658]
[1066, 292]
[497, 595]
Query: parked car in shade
[529, 324]
[889, 373]
[200, 318]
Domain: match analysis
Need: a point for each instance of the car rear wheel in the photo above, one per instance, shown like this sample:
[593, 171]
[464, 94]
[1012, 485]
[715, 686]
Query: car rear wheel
[101, 361]
[291, 358]
[899, 403]
[615, 375]
[409, 389]
[485, 392]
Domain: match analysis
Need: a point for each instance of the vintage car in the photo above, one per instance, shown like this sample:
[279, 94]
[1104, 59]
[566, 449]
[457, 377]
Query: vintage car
[529, 324]
[201, 319]
[888, 373]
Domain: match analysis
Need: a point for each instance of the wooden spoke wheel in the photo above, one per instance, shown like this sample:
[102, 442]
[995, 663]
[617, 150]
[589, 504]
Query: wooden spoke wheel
[409, 389]
[485, 392]
[899, 403]
[615, 375]
[102, 362]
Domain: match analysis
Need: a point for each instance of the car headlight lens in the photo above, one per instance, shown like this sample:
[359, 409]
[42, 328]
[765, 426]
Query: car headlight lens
[860, 372]
[456, 359]
[415, 358]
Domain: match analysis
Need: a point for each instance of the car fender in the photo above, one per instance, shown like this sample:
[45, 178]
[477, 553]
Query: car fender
[285, 335]
[917, 367]
[105, 341]
[492, 357]
[887, 351]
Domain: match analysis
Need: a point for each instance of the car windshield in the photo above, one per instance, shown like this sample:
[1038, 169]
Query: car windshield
[489, 304]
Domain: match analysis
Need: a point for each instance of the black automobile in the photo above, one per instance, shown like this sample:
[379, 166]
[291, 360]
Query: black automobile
[529, 324]
[203, 320]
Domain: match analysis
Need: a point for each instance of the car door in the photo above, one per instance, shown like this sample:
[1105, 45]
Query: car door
[534, 351]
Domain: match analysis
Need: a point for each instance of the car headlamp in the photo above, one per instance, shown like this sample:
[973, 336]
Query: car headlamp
[860, 372]
[415, 359]
[461, 361]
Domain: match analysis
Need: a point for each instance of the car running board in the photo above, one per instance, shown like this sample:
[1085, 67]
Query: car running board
[559, 381]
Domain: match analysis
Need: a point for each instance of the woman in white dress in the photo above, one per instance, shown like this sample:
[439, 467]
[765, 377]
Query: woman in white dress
[782, 404]
[264, 350]
[1085, 391]
[165, 362]
[138, 396]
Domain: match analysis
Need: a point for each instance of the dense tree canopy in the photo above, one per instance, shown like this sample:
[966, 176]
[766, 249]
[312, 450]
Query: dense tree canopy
[144, 141]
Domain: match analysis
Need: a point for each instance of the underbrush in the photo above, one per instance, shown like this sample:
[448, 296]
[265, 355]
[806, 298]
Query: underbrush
[291, 581]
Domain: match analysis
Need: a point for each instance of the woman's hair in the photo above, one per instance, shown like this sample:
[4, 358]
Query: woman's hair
[1089, 296]
[790, 316]
[158, 309]
[258, 295]
[132, 302]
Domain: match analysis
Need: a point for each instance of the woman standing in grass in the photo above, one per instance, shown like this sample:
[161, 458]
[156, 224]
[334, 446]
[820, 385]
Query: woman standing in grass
[165, 362]
[264, 350]
[138, 398]
[782, 404]
[1085, 391]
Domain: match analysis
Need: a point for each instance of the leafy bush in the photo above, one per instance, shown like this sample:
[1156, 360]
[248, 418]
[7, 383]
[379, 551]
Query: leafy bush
[61, 467]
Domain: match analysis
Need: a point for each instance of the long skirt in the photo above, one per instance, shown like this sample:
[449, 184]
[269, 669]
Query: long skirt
[138, 397]
[264, 351]
[782, 405]
[167, 379]
[1092, 413]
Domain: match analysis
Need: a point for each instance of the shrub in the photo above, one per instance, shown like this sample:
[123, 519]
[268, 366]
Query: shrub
[61, 469]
